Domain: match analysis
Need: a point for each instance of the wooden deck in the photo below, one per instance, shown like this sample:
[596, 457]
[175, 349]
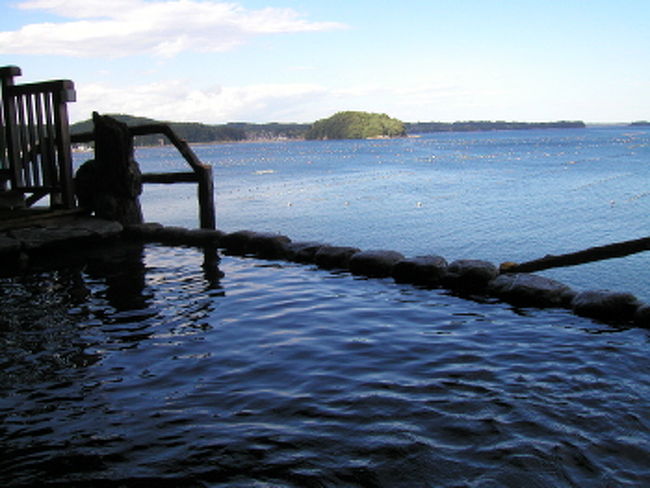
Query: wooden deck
[34, 217]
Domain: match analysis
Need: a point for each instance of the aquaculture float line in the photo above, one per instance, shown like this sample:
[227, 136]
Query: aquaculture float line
[469, 278]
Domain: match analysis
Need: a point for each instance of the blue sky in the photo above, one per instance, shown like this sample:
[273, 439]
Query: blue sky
[298, 61]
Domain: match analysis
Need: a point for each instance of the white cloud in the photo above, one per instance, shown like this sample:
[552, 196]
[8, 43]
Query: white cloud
[80, 8]
[165, 28]
[183, 100]
[176, 100]
[179, 100]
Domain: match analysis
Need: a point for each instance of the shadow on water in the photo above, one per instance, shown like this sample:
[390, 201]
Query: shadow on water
[59, 317]
[40, 338]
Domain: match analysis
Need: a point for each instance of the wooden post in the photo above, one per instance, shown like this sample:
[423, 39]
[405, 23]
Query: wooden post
[207, 216]
[7, 74]
[63, 95]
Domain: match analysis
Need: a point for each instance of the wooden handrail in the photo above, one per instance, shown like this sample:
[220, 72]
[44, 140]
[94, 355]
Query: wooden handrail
[201, 173]
[63, 88]
[598, 253]
[165, 178]
[180, 144]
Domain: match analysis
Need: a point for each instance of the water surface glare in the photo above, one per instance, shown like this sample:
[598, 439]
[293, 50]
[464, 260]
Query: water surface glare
[143, 368]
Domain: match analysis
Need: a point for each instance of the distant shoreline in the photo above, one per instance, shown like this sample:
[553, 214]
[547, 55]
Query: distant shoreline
[487, 125]
[198, 133]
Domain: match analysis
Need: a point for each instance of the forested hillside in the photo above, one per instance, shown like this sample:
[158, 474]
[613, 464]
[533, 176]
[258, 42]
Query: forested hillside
[356, 125]
[197, 132]
[487, 125]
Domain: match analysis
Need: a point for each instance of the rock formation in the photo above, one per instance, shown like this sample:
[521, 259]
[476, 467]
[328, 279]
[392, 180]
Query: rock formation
[110, 185]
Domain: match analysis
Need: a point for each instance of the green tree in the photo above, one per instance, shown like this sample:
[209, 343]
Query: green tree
[356, 125]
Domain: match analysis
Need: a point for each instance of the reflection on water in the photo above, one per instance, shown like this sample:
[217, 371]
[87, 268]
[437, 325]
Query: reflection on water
[159, 367]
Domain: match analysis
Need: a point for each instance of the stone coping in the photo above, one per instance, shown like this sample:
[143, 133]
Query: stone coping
[57, 234]
[465, 277]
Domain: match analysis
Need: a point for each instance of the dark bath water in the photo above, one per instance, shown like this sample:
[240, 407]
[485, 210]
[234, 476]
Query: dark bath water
[142, 368]
[500, 196]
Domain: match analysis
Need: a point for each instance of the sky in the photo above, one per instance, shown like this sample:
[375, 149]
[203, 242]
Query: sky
[301, 60]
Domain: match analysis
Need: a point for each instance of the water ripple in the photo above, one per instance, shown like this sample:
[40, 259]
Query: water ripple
[286, 375]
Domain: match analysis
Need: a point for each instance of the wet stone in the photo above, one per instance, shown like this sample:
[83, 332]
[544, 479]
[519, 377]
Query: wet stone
[99, 227]
[469, 274]
[237, 242]
[78, 232]
[147, 231]
[262, 244]
[173, 235]
[376, 264]
[268, 245]
[206, 236]
[531, 290]
[331, 257]
[183, 236]
[606, 305]
[420, 270]
[303, 252]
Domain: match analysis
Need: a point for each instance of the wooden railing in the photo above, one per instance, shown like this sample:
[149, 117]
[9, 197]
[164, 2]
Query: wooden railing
[200, 174]
[35, 147]
[35, 153]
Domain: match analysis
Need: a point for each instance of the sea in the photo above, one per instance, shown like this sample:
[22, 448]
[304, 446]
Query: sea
[150, 365]
[498, 196]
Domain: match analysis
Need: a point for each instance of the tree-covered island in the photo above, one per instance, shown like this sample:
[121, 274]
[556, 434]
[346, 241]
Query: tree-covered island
[356, 125]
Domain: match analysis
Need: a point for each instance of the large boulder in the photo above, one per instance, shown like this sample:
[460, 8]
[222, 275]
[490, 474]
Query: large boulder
[303, 252]
[237, 242]
[605, 305]
[269, 245]
[262, 244]
[469, 274]
[376, 264]
[110, 185]
[331, 257]
[420, 270]
[529, 290]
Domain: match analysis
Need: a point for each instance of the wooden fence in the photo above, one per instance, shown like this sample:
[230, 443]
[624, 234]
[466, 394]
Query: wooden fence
[201, 173]
[35, 153]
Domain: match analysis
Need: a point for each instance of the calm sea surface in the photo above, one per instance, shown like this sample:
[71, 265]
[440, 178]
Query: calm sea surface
[153, 366]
